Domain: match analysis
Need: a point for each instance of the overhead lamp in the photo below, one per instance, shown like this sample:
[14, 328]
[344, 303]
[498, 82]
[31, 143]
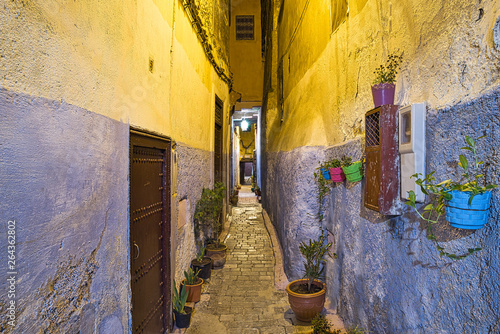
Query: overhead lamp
[244, 125]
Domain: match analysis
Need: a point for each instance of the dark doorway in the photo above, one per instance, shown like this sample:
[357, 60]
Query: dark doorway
[246, 170]
[218, 139]
[150, 233]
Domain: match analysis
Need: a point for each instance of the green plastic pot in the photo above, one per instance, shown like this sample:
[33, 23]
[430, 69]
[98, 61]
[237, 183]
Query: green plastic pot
[354, 172]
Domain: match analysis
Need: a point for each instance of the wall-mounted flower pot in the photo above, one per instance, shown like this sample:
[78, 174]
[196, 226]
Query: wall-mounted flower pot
[325, 173]
[354, 172]
[337, 174]
[462, 215]
[383, 94]
[194, 290]
[205, 267]
[183, 320]
[306, 305]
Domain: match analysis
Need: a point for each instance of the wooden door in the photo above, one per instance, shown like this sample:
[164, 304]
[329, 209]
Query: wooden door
[150, 233]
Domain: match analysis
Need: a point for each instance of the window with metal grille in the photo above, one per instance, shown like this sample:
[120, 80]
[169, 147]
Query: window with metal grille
[244, 27]
[372, 129]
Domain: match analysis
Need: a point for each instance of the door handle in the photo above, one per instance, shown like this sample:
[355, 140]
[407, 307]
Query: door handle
[138, 251]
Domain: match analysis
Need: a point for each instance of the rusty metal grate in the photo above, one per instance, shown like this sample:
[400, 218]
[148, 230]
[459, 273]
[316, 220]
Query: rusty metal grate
[373, 129]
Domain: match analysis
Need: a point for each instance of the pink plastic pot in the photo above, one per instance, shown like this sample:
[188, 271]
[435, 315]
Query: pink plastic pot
[383, 94]
[337, 174]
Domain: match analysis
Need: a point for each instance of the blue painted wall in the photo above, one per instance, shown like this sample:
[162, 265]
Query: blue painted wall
[388, 278]
[63, 179]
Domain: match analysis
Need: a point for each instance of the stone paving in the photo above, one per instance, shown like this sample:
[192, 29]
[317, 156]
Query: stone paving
[241, 297]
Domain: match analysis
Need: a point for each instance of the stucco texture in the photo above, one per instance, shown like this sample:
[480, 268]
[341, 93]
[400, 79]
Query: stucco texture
[193, 175]
[388, 277]
[64, 181]
[97, 55]
[449, 58]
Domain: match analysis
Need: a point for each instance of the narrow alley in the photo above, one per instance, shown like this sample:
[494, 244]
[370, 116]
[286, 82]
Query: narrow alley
[241, 297]
[332, 160]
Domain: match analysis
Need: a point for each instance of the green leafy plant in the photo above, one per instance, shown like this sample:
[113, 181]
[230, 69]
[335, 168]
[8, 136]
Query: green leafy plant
[322, 326]
[179, 298]
[201, 254]
[323, 190]
[313, 253]
[356, 330]
[191, 276]
[209, 208]
[440, 192]
[334, 163]
[387, 73]
[346, 161]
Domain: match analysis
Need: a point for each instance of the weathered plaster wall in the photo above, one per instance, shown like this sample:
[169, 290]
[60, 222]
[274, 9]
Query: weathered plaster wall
[96, 56]
[248, 139]
[90, 70]
[64, 181]
[449, 57]
[193, 175]
[388, 277]
[246, 55]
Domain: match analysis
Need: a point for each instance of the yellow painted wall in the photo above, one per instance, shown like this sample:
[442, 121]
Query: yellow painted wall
[246, 55]
[248, 138]
[95, 55]
[449, 57]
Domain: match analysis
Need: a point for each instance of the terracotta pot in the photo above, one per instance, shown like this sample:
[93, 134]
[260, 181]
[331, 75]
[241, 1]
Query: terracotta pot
[337, 174]
[183, 320]
[205, 266]
[383, 94]
[218, 255]
[194, 290]
[306, 306]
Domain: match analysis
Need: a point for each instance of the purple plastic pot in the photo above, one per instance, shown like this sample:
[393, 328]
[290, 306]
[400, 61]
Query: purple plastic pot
[383, 94]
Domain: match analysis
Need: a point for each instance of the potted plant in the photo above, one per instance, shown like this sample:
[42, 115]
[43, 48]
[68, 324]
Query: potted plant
[352, 170]
[208, 214]
[466, 203]
[384, 86]
[335, 168]
[234, 196]
[182, 313]
[192, 283]
[323, 169]
[307, 295]
[202, 264]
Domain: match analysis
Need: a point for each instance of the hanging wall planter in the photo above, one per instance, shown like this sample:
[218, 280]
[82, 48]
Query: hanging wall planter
[462, 215]
[337, 174]
[353, 172]
[325, 173]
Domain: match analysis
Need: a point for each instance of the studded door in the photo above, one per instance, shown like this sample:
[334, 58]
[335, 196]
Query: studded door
[218, 140]
[150, 233]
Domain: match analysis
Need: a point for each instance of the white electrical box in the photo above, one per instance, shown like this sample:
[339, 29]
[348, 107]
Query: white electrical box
[412, 147]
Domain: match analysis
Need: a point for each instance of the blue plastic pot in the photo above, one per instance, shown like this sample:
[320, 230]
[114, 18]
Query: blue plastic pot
[325, 173]
[470, 217]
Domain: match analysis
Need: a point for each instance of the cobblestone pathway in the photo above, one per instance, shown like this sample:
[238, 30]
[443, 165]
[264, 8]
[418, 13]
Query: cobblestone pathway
[241, 297]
